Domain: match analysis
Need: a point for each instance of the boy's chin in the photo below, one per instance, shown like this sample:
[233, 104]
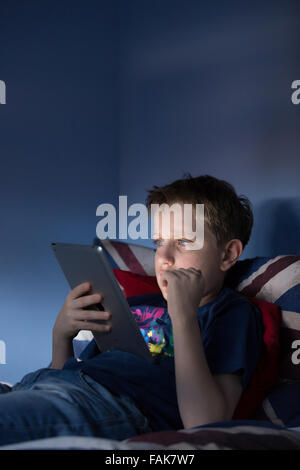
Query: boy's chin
[164, 293]
[163, 290]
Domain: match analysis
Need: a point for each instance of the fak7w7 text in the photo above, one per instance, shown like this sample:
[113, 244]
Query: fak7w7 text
[2, 92]
[171, 459]
[295, 97]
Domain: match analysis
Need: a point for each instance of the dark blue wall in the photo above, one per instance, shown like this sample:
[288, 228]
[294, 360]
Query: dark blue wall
[58, 157]
[206, 88]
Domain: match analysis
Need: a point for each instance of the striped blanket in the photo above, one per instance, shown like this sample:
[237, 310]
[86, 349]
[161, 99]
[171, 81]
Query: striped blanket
[238, 435]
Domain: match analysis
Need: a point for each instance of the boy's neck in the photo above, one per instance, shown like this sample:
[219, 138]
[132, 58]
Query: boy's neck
[211, 296]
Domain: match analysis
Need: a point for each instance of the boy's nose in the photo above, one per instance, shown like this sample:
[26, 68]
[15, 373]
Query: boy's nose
[166, 256]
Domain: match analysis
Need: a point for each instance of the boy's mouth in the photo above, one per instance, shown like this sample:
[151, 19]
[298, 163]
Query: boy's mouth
[161, 273]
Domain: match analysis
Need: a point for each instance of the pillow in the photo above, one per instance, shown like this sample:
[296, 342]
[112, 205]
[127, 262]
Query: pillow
[282, 405]
[275, 280]
[136, 284]
[129, 257]
[265, 375]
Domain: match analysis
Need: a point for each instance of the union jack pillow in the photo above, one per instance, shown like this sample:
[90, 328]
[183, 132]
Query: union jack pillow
[129, 257]
[276, 280]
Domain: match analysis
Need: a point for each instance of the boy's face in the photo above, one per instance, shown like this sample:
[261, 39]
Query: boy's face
[172, 253]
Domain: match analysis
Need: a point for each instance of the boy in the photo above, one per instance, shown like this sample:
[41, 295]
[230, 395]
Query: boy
[206, 337]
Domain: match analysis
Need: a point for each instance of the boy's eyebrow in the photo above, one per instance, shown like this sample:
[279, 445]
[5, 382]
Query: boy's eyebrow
[190, 239]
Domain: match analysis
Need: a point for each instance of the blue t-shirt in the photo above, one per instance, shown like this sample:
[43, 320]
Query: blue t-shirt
[231, 331]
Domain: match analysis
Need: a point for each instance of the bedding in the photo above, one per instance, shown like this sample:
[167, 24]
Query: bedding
[282, 405]
[229, 435]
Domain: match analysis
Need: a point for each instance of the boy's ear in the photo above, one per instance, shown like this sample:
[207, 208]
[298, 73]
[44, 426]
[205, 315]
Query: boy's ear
[231, 253]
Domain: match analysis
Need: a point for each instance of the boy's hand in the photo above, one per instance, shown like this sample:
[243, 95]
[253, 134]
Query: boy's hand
[72, 317]
[185, 288]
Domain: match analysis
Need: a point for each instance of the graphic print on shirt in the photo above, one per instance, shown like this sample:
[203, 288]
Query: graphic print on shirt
[156, 328]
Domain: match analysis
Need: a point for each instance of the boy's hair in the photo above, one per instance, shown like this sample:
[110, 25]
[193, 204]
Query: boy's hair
[229, 215]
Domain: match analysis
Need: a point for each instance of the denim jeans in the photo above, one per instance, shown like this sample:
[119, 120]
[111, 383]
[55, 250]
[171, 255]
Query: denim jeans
[51, 402]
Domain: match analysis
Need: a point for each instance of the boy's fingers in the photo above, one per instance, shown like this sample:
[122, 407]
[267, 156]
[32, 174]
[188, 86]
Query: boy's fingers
[170, 273]
[80, 290]
[187, 272]
[183, 271]
[91, 315]
[87, 300]
[94, 326]
[195, 271]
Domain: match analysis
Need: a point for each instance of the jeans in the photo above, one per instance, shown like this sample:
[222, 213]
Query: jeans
[51, 402]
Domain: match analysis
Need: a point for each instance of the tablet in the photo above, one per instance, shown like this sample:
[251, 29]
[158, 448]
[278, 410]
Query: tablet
[82, 263]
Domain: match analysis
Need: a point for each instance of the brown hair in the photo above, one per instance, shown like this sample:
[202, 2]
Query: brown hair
[229, 215]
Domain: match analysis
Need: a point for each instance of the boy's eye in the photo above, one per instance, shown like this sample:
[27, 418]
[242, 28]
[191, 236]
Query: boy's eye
[183, 242]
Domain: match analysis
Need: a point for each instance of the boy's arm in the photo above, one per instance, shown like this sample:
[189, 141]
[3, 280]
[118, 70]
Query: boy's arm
[61, 352]
[202, 397]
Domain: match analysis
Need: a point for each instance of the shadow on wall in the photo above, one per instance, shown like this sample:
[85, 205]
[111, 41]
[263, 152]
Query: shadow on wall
[276, 228]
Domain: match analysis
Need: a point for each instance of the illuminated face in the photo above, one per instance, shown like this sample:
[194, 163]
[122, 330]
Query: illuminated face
[172, 253]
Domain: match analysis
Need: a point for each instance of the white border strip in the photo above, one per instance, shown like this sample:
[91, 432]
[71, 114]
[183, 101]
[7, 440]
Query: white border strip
[270, 412]
[145, 257]
[115, 255]
[261, 270]
[280, 283]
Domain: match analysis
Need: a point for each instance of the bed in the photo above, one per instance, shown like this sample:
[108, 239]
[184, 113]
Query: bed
[271, 417]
